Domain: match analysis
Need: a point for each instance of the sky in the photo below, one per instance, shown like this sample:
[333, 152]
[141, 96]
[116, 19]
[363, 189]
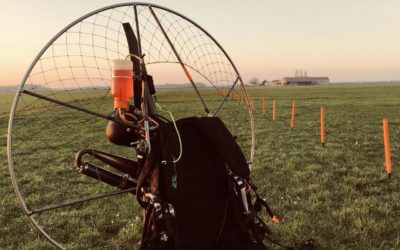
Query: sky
[346, 40]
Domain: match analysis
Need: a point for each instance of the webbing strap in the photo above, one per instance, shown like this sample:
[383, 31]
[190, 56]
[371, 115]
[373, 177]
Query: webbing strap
[259, 203]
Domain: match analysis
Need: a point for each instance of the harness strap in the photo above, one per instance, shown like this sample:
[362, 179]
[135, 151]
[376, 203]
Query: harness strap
[147, 229]
[243, 222]
[259, 230]
[260, 203]
[158, 220]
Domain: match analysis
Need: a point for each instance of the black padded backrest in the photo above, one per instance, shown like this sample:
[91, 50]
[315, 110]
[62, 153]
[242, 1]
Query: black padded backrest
[201, 195]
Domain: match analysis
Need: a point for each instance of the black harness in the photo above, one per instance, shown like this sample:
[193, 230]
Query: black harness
[163, 190]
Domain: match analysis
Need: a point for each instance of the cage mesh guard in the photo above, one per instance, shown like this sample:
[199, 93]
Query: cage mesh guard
[80, 57]
[74, 68]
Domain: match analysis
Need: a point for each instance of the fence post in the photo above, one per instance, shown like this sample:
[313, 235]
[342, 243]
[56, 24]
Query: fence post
[323, 126]
[293, 113]
[273, 110]
[387, 147]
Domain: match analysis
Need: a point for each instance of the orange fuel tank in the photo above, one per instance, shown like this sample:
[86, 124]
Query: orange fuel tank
[122, 83]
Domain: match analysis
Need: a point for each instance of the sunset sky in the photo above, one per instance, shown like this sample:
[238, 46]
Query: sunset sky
[347, 40]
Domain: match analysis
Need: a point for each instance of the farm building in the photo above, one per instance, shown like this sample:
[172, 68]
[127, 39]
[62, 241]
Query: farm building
[304, 80]
[299, 80]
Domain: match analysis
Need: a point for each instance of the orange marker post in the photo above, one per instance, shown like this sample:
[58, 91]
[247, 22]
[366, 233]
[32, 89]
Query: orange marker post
[263, 105]
[323, 126]
[387, 147]
[247, 102]
[273, 110]
[293, 112]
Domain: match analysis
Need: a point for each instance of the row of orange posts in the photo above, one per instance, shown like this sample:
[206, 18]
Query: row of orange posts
[388, 161]
[293, 113]
[253, 108]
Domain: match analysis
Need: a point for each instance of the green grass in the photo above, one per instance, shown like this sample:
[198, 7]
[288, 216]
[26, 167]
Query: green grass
[338, 195]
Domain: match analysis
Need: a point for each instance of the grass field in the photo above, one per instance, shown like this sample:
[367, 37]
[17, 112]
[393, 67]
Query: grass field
[337, 195]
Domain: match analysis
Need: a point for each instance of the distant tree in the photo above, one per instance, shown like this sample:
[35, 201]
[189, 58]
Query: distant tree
[254, 81]
[263, 83]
